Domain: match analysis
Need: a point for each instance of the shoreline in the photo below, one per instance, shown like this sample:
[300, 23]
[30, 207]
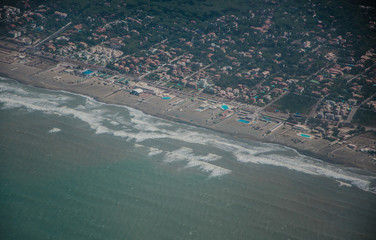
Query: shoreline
[156, 106]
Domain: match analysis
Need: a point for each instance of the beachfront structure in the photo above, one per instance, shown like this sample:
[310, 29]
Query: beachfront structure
[137, 91]
[148, 89]
[300, 128]
[275, 127]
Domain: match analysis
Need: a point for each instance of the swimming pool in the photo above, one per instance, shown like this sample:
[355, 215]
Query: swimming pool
[225, 107]
[166, 98]
[305, 135]
[87, 72]
[243, 121]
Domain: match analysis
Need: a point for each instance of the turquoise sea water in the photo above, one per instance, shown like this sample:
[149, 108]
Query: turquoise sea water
[74, 168]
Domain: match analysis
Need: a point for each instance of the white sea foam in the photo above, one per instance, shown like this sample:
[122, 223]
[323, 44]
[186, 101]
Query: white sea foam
[343, 184]
[54, 130]
[297, 162]
[199, 161]
[30, 103]
[210, 157]
[154, 151]
[12, 88]
[182, 154]
[115, 123]
[214, 170]
[328, 170]
[22, 92]
[186, 154]
[248, 157]
[307, 166]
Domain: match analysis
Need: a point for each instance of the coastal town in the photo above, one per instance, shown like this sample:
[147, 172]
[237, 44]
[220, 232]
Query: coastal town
[309, 83]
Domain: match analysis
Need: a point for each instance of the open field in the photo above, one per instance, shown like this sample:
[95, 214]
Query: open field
[294, 103]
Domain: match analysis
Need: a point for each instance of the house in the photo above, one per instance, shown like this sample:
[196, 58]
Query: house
[192, 85]
[329, 116]
[320, 115]
[352, 101]
[14, 34]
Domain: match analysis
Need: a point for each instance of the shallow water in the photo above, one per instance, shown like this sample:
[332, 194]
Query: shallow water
[74, 168]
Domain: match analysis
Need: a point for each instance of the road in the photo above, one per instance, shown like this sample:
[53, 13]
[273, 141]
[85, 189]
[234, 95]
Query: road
[191, 75]
[52, 35]
[360, 74]
[313, 110]
[351, 114]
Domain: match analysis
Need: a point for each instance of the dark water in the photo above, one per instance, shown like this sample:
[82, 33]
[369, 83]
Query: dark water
[73, 168]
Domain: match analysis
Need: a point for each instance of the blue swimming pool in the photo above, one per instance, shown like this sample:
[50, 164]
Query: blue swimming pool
[166, 98]
[225, 107]
[243, 121]
[305, 135]
[87, 72]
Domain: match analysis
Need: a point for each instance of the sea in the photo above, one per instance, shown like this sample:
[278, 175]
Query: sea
[75, 168]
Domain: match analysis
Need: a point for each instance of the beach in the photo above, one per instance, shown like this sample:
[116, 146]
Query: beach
[194, 111]
[75, 167]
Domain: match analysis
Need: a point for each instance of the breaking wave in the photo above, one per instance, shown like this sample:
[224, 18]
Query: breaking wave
[199, 161]
[154, 151]
[54, 130]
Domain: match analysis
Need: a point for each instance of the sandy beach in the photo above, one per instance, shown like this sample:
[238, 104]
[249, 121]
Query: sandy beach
[194, 111]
